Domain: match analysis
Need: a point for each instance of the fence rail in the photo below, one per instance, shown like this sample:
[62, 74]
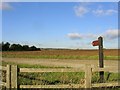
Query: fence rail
[2, 84]
[51, 70]
[53, 86]
[106, 84]
[12, 76]
[2, 68]
[107, 69]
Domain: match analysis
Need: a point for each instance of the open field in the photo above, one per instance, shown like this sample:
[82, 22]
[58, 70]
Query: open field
[110, 54]
[59, 59]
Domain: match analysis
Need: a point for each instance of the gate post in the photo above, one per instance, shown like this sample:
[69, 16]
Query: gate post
[14, 70]
[8, 77]
[101, 63]
[88, 76]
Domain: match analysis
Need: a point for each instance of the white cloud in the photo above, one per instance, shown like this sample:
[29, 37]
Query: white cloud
[74, 35]
[101, 12]
[5, 6]
[80, 10]
[80, 36]
[110, 34]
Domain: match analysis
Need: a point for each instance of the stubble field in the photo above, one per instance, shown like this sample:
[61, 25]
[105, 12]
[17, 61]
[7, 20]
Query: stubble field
[109, 54]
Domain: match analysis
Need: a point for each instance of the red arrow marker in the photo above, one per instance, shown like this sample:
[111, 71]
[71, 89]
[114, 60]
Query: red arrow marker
[95, 43]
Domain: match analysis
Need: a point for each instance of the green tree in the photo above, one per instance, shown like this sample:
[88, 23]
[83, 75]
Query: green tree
[16, 47]
[33, 48]
[25, 48]
[5, 47]
[0, 46]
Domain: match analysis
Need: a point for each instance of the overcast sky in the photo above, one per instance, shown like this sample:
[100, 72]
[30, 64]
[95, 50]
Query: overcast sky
[60, 25]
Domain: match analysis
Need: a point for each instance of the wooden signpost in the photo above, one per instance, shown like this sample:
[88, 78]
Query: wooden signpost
[99, 43]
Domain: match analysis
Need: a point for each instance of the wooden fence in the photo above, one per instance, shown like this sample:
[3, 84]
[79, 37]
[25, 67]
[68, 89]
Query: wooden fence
[12, 76]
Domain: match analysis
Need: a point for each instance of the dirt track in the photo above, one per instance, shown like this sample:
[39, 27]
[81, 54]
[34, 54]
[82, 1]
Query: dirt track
[57, 62]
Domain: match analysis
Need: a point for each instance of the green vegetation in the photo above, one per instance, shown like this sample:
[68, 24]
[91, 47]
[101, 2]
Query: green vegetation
[50, 78]
[111, 57]
[61, 78]
[29, 66]
[53, 78]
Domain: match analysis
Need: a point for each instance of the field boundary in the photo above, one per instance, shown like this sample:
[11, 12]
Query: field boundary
[12, 76]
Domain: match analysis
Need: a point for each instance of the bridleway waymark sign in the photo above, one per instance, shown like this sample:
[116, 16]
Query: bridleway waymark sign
[99, 43]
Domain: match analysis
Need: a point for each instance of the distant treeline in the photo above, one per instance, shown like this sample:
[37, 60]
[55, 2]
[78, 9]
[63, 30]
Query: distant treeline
[17, 47]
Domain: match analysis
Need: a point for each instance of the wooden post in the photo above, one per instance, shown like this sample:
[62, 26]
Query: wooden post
[8, 77]
[14, 77]
[101, 62]
[88, 76]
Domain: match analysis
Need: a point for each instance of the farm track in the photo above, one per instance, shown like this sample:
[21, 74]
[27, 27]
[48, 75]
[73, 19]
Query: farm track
[58, 62]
